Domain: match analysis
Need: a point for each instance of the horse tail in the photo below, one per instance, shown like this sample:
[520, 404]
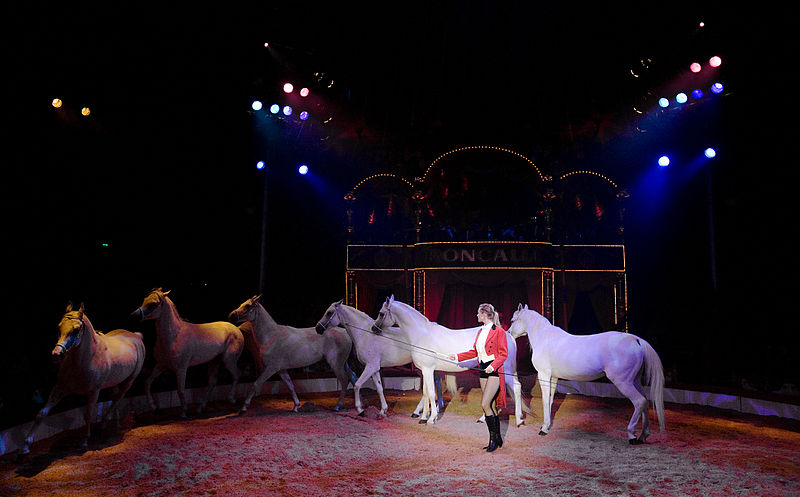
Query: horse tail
[654, 374]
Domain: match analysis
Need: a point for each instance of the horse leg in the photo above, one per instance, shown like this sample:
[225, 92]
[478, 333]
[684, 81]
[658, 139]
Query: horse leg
[288, 380]
[91, 403]
[369, 372]
[513, 382]
[340, 370]
[376, 378]
[256, 388]
[547, 384]
[157, 370]
[639, 405]
[645, 413]
[434, 410]
[55, 397]
[180, 374]
[213, 376]
[437, 382]
[230, 360]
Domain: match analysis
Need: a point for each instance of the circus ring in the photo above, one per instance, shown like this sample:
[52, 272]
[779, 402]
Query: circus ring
[715, 444]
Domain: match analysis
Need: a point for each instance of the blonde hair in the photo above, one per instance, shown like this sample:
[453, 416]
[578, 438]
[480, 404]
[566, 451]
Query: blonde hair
[489, 309]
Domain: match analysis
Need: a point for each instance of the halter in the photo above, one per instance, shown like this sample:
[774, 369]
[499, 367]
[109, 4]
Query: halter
[73, 337]
[327, 324]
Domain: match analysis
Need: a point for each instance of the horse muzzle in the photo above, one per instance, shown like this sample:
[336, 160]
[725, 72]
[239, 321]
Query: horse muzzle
[57, 354]
[138, 314]
[376, 329]
[319, 328]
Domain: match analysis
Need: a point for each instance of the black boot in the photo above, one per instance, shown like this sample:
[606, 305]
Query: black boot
[490, 423]
[498, 439]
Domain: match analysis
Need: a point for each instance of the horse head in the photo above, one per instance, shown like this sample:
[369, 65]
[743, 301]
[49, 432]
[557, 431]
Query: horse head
[327, 321]
[69, 331]
[518, 326]
[152, 305]
[384, 314]
[246, 311]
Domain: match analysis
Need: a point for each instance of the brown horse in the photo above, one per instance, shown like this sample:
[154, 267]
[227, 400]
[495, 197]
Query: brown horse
[180, 344]
[89, 362]
[277, 347]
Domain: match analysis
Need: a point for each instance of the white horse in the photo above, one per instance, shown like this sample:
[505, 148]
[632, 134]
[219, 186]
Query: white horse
[622, 357]
[90, 362]
[432, 344]
[180, 344]
[373, 351]
[277, 347]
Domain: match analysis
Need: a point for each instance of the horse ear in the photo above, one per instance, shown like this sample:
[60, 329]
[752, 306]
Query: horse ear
[391, 299]
[256, 298]
[526, 307]
[341, 301]
[519, 307]
[69, 306]
[81, 310]
[167, 292]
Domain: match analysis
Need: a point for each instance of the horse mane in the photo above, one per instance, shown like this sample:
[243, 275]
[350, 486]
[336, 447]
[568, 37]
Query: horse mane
[423, 316]
[270, 320]
[358, 311]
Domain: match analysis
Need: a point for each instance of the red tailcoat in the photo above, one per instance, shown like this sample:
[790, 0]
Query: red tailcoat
[497, 344]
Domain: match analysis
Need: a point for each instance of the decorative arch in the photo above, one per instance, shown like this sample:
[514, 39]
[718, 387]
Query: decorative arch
[433, 164]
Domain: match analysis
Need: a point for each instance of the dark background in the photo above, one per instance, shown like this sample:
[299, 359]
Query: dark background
[163, 170]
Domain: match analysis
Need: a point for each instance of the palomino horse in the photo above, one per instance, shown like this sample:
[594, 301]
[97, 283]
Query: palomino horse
[373, 351]
[180, 344]
[622, 357]
[276, 348]
[432, 343]
[89, 362]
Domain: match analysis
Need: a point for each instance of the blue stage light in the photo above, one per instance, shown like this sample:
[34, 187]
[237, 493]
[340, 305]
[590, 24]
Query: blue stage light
[697, 93]
[710, 153]
[716, 88]
[260, 164]
[303, 115]
[287, 111]
[274, 108]
[303, 169]
[681, 98]
[256, 105]
[663, 161]
[663, 102]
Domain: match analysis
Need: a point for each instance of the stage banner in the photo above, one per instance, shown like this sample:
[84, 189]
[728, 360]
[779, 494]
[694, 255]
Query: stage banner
[486, 255]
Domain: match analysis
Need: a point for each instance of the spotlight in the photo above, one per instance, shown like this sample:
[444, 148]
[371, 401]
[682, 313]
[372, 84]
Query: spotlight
[288, 88]
[697, 93]
[57, 103]
[256, 105]
[663, 102]
[287, 111]
[710, 153]
[695, 67]
[681, 98]
[714, 61]
[274, 108]
[260, 164]
[303, 115]
[716, 88]
[303, 92]
[663, 161]
[303, 169]
[86, 111]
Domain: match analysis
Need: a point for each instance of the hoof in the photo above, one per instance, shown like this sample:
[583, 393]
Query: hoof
[336, 409]
[423, 421]
[362, 414]
[635, 441]
[542, 433]
[414, 415]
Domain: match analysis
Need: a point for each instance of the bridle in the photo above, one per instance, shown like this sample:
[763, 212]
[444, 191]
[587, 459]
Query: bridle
[73, 337]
